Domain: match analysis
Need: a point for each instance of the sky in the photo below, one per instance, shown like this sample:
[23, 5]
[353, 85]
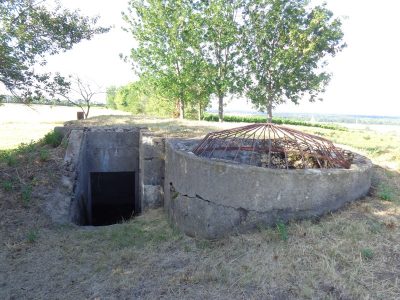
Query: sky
[365, 76]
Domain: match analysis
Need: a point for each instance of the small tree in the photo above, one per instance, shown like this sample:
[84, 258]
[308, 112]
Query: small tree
[285, 45]
[220, 44]
[163, 30]
[80, 93]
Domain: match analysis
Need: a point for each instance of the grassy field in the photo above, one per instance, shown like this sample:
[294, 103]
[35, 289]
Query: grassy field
[350, 254]
[20, 123]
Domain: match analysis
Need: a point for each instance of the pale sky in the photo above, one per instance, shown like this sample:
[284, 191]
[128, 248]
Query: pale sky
[365, 75]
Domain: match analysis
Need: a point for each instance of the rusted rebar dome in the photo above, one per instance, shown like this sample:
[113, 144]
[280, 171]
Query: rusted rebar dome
[272, 146]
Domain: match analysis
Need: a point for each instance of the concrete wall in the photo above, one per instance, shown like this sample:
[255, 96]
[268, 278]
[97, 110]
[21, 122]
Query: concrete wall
[152, 168]
[210, 199]
[103, 150]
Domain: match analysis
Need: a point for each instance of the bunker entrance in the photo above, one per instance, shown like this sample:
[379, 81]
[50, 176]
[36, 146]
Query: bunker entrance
[112, 197]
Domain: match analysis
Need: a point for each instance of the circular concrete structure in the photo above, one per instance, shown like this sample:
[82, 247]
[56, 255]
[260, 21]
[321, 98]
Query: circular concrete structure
[212, 198]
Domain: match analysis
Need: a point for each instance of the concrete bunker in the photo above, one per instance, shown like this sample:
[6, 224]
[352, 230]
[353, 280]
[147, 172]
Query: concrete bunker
[106, 188]
[211, 198]
[113, 174]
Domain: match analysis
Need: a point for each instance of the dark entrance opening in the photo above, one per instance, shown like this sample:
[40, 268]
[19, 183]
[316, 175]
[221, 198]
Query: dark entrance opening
[112, 197]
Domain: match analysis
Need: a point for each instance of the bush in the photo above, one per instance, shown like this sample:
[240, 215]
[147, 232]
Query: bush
[52, 138]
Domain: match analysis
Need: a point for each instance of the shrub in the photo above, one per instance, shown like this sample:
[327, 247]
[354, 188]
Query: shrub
[52, 138]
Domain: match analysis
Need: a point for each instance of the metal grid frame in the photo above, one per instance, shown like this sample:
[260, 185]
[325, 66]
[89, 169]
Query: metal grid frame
[275, 147]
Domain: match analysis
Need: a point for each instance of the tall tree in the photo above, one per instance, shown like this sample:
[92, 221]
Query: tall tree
[30, 32]
[164, 31]
[286, 45]
[221, 22]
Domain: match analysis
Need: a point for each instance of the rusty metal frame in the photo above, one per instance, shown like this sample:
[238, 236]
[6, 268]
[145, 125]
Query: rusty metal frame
[272, 142]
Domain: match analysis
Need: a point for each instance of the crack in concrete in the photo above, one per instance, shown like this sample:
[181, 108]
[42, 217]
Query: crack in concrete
[241, 210]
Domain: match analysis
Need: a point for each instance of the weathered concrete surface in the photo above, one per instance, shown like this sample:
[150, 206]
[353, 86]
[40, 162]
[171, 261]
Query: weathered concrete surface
[152, 168]
[59, 206]
[210, 199]
[108, 149]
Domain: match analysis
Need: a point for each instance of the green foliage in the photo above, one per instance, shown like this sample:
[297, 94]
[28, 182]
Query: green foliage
[44, 154]
[221, 47]
[32, 235]
[53, 138]
[274, 50]
[169, 34]
[142, 97]
[281, 228]
[7, 185]
[111, 93]
[10, 158]
[25, 148]
[285, 45]
[385, 192]
[29, 33]
[262, 119]
[26, 194]
[367, 253]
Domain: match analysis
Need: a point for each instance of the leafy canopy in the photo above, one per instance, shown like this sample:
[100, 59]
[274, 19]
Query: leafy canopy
[286, 45]
[28, 33]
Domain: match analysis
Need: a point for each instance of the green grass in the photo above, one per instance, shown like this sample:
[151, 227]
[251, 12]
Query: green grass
[44, 154]
[7, 185]
[282, 230]
[385, 192]
[275, 120]
[26, 194]
[32, 235]
[367, 253]
[53, 138]
[136, 233]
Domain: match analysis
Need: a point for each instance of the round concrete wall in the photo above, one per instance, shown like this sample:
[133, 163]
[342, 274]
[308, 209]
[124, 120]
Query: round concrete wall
[210, 198]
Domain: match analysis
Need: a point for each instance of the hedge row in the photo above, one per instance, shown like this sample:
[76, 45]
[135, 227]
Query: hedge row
[275, 120]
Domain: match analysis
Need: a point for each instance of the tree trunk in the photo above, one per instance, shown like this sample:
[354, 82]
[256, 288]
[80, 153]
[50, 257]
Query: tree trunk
[181, 109]
[269, 109]
[87, 112]
[220, 108]
[199, 115]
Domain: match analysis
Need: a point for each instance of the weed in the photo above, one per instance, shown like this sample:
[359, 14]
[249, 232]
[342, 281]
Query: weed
[7, 185]
[203, 244]
[44, 154]
[375, 227]
[26, 194]
[282, 230]
[32, 235]
[52, 138]
[24, 148]
[11, 159]
[367, 253]
[64, 143]
[385, 192]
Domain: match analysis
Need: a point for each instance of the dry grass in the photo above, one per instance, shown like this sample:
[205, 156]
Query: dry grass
[350, 254]
[20, 123]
